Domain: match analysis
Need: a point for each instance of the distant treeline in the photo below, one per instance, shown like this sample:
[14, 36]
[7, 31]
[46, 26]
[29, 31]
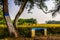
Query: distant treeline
[53, 22]
[27, 21]
[20, 21]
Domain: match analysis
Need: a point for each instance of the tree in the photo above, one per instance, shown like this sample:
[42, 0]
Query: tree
[20, 12]
[8, 20]
[39, 3]
[53, 22]
[57, 8]
[23, 5]
[27, 21]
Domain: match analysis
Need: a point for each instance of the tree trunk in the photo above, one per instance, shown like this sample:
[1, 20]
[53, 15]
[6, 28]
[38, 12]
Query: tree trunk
[20, 12]
[8, 20]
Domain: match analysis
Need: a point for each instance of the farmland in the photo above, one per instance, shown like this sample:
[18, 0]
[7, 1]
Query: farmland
[36, 25]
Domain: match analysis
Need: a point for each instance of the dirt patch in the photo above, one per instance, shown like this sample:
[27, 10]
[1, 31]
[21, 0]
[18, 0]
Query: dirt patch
[35, 38]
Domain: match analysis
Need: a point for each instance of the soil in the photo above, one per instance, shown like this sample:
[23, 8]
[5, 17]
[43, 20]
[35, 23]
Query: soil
[35, 38]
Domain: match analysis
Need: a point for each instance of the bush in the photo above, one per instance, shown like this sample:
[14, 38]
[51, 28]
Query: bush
[53, 30]
[24, 32]
[1, 32]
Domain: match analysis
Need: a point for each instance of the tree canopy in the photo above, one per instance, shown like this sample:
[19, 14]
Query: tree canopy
[30, 4]
[41, 5]
[27, 21]
[53, 22]
[57, 8]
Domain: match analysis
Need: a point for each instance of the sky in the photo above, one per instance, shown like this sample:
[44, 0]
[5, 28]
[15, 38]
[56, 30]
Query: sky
[36, 13]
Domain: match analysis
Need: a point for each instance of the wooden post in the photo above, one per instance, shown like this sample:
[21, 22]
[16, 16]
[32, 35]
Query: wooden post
[45, 32]
[32, 33]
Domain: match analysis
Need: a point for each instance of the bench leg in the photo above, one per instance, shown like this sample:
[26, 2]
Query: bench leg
[32, 33]
[45, 32]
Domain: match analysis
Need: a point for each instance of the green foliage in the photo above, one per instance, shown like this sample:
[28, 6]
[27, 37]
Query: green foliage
[39, 32]
[2, 34]
[40, 4]
[27, 21]
[2, 20]
[6, 32]
[57, 8]
[54, 30]
[24, 32]
[53, 22]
